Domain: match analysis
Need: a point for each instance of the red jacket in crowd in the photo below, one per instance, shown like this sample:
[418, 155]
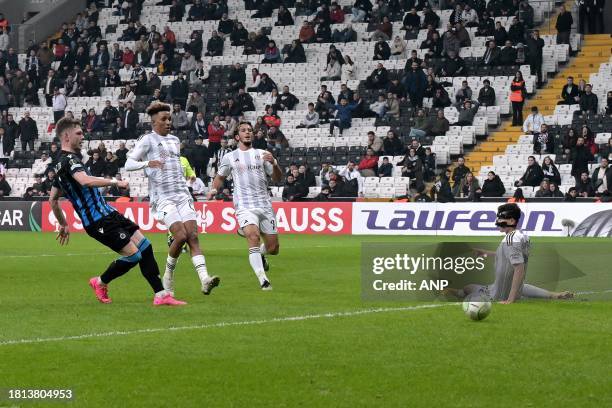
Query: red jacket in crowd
[215, 133]
[368, 163]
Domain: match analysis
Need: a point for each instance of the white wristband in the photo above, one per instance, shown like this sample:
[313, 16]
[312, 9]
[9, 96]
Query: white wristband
[114, 181]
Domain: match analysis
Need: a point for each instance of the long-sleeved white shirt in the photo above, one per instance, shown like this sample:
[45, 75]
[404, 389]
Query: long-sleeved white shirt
[533, 123]
[350, 175]
[59, 102]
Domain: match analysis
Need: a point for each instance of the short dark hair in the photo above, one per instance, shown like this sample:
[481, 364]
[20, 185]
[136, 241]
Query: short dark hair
[65, 124]
[156, 107]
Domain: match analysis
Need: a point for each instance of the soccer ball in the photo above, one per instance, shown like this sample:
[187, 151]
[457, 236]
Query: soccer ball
[477, 309]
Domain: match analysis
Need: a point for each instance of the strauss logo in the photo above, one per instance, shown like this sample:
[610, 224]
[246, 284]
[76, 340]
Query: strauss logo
[206, 218]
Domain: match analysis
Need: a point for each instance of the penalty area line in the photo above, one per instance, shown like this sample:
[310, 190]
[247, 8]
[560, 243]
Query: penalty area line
[330, 315]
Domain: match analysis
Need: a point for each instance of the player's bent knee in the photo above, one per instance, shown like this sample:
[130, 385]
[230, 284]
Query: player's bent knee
[134, 258]
[274, 249]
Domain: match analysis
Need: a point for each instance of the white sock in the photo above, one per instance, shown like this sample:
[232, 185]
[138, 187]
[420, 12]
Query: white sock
[170, 265]
[199, 262]
[257, 264]
[262, 249]
[161, 293]
[100, 282]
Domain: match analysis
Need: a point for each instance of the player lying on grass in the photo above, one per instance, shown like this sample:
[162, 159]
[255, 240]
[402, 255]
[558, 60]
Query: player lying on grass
[511, 259]
[158, 153]
[249, 169]
[101, 221]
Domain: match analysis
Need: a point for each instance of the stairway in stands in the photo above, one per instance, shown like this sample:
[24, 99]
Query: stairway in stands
[595, 50]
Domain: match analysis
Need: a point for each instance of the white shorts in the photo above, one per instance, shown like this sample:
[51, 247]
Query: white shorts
[177, 209]
[263, 218]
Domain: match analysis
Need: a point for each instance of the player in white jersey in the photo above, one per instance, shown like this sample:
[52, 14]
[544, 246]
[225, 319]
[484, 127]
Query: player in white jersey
[249, 169]
[511, 260]
[158, 153]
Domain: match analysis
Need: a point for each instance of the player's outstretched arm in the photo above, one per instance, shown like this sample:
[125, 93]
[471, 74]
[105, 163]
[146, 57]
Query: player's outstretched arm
[217, 184]
[64, 232]
[517, 280]
[91, 181]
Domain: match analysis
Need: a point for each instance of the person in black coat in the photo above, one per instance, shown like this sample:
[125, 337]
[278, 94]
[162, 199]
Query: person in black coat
[239, 36]
[28, 131]
[200, 156]
[129, 120]
[508, 54]
[569, 93]
[486, 95]
[179, 90]
[588, 101]
[284, 17]
[492, 54]
[564, 26]
[533, 174]
[550, 171]
[535, 45]
[379, 78]
[11, 131]
[286, 100]
[392, 145]
[382, 51]
[580, 157]
[293, 190]
[601, 174]
[441, 190]
[295, 53]
[492, 186]
[214, 47]
[96, 165]
[237, 78]
[584, 186]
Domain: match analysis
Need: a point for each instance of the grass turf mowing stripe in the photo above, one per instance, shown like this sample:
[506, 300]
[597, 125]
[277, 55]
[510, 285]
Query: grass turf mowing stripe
[330, 315]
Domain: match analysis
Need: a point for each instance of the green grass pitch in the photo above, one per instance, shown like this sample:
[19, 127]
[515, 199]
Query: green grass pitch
[231, 352]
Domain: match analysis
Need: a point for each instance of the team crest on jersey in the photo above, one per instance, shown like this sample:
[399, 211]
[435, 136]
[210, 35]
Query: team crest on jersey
[101, 230]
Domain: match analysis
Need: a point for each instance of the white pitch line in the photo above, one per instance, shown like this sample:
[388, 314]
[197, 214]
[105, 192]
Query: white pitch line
[330, 315]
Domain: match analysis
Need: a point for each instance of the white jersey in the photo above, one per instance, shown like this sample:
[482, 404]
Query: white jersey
[249, 172]
[513, 250]
[167, 182]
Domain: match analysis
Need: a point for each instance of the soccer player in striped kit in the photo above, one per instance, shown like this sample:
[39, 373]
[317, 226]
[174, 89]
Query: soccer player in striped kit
[249, 169]
[101, 221]
[158, 153]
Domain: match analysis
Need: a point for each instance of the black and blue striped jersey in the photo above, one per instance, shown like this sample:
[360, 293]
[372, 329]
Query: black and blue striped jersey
[87, 201]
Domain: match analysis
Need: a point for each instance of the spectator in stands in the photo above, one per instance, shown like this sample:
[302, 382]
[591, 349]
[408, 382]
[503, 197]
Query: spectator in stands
[368, 165]
[59, 103]
[379, 78]
[516, 33]
[517, 97]
[441, 190]
[569, 93]
[533, 123]
[28, 131]
[412, 167]
[450, 42]
[127, 95]
[602, 178]
[196, 12]
[439, 125]
[179, 90]
[347, 34]
[244, 101]
[441, 99]
[272, 54]
[5, 188]
[180, 121]
[464, 93]
[411, 22]
[4, 39]
[199, 126]
[188, 63]
[393, 106]
[286, 100]
[493, 186]
[462, 35]
[469, 187]
[295, 53]
[380, 106]
[609, 104]
[550, 171]
[486, 95]
[215, 134]
[344, 115]
[606, 150]
[200, 156]
[486, 26]
[31, 95]
[507, 55]
[383, 31]
[375, 143]
[239, 36]
[323, 32]
[415, 82]
[542, 141]
[492, 54]
[467, 112]
[564, 25]
[453, 65]
[571, 194]
[554, 190]
[431, 87]
[276, 138]
[584, 186]
[392, 145]
[381, 51]
[92, 122]
[535, 46]
[526, 14]
[293, 190]
[214, 47]
[360, 10]
[398, 48]
[129, 119]
[517, 197]
[307, 33]
[311, 119]
[118, 130]
[533, 174]
[112, 165]
[55, 154]
[385, 169]
[420, 126]
[544, 190]
[121, 154]
[225, 27]
[333, 70]
[230, 125]
[7, 145]
[459, 173]
[353, 180]
[434, 45]
[96, 165]
[196, 103]
[266, 84]
[588, 101]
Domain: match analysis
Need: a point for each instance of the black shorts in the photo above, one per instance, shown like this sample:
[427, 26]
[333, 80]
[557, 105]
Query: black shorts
[114, 231]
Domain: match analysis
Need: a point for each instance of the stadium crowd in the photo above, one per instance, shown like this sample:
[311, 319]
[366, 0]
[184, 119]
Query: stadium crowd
[79, 62]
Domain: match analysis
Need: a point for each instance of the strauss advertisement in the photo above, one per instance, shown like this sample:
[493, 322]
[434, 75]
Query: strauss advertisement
[361, 218]
[218, 217]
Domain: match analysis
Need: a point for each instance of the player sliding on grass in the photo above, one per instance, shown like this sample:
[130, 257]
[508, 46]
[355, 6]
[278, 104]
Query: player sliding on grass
[249, 169]
[511, 260]
[170, 198]
[101, 221]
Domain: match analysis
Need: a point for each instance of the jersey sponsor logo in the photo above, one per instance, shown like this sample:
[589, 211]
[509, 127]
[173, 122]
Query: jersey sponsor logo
[101, 230]
[122, 236]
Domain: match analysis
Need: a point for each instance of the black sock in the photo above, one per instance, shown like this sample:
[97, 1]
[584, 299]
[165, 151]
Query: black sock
[116, 269]
[148, 266]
